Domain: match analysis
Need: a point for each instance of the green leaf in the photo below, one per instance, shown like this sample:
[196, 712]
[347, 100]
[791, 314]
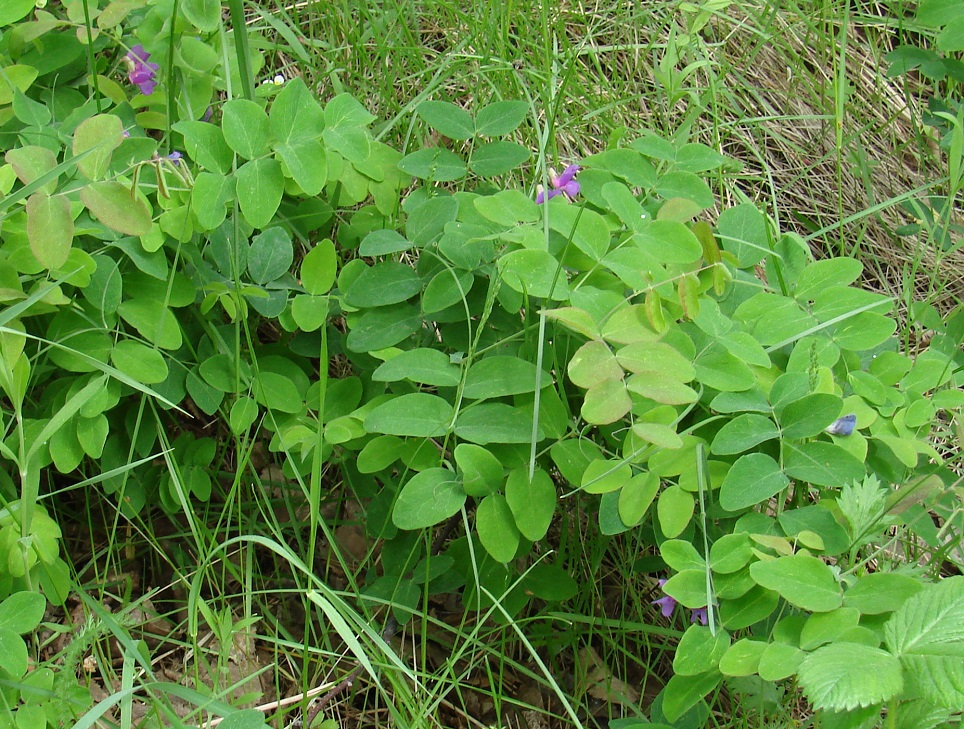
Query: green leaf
[533, 503]
[742, 231]
[699, 651]
[683, 692]
[592, 363]
[384, 243]
[245, 719]
[496, 528]
[716, 367]
[447, 288]
[50, 228]
[685, 185]
[844, 676]
[587, 230]
[205, 15]
[424, 366]
[415, 414]
[500, 118]
[319, 267]
[951, 39]
[662, 389]
[295, 115]
[387, 282]
[753, 479]
[436, 164]
[779, 661]
[688, 588]
[822, 628]
[822, 464]
[602, 476]
[507, 208]
[12, 647]
[482, 472]
[809, 415]
[429, 498]
[114, 206]
[750, 608]
[501, 375]
[14, 10]
[145, 364]
[881, 592]
[927, 635]
[246, 129]
[801, 580]
[270, 255]
[820, 275]
[428, 220]
[550, 582]
[22, 612]
[447, 119]
[606, 402]
[346, 128]
[277, 392]
[205, 144]
[30, 163]
[383, 327]
[99, 135]
[209, 199]
[497, 158]
[243, 414]
[260, 187]
[636, 496]
[668, 242]
[495, 423]
[743, 433]
[307, 162]
[310, 312]
[153, 321]
[660, 435]
[15, 76]
[656, 358]
[730, 553]
[535, 273]
[675, 509]
[742, 658]
[681, 555]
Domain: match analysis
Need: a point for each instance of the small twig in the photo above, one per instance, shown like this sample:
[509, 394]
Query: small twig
[387, 632]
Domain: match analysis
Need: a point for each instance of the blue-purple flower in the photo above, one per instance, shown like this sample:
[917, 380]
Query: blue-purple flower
[142, 71]
[843, 426]
[564, 184]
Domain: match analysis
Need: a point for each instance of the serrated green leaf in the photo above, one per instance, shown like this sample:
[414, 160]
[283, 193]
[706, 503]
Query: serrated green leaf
[844, 676]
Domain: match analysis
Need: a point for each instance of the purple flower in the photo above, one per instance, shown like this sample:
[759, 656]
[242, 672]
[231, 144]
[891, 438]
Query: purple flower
[698, 614]
[564, 184]
[666, 603]
[843, 426]
[208, 114]
[141, 71]
[175, 157]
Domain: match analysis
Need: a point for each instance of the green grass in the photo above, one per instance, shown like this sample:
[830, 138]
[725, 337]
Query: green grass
[795, 91]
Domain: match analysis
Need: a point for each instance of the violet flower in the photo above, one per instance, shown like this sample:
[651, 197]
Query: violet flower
[175, 157]
[666, 603]
[141, 71]
[699, 614]
[564, 184]
[843, 426]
